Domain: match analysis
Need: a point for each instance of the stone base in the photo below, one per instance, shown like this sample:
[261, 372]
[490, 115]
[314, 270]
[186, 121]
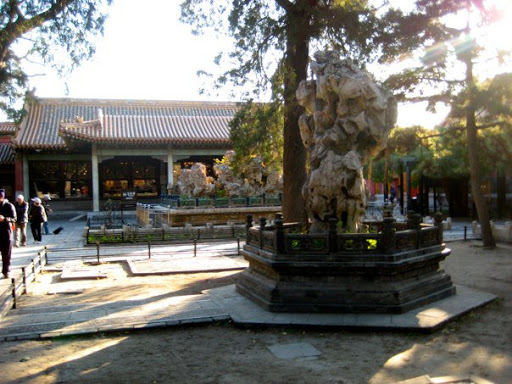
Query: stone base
[428, 318]
[395, 283]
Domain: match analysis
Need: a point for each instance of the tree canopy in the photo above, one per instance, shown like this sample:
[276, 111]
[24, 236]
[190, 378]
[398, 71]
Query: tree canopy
[53, 32]
[274, 37]
[257, 131]
[271, 45]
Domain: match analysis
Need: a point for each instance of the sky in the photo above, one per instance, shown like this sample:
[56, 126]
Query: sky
[147, 53]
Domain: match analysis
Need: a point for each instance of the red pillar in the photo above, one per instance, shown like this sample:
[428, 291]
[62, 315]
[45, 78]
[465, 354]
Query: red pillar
[18, 173]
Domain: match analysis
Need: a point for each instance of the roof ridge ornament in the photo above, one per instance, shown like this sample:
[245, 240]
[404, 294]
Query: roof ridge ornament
[100, 117]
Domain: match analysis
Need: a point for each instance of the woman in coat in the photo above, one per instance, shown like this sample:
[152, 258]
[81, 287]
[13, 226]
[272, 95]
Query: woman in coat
[37, 217]
[21, 207]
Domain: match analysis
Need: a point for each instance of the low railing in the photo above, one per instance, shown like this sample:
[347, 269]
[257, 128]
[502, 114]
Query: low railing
[104, 252]
[393, 237]
[175, 201]
[19, 282]
[378, 226]
[133, 234]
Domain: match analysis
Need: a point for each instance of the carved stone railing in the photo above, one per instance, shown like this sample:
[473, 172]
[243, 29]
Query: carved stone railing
[390, 239]
[390, 271]
[310, 244]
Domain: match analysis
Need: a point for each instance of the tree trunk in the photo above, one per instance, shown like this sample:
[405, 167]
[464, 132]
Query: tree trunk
[474, 162]
[294, 154]
[501, 191]
[386, 175]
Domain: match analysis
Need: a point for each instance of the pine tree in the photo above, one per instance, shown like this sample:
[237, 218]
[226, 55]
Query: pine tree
[272, 41]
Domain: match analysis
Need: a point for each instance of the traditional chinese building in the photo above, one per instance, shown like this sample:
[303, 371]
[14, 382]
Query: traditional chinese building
[7, 158]
[83, 152]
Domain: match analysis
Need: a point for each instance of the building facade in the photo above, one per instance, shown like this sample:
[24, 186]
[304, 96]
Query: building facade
[7, 159]
[83, 152]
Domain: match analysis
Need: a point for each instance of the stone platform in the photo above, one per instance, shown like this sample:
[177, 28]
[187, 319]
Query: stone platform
[40, 321]
[391, 271]
[427, 318]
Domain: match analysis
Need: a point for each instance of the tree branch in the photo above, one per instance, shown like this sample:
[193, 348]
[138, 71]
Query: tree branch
[461, 128]
[447, 81]
[285, 4]
[15, 29]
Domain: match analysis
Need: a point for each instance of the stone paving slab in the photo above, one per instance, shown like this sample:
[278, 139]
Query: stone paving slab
[169, 311]
[294, 351]
[427, 318]
[220, 304]
[186, 265]
[80, 273]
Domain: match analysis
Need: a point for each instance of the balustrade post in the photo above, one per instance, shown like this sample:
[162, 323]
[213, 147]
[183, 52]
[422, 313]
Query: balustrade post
[333, 235]
[388, 240]
[414, 222]
[279, 233]
[410, 214]
[438, 222]
[248, 225]
[263, 223]
[13, 293]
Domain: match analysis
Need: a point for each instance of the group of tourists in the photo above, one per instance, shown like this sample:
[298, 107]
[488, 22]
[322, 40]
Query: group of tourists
[14, 218]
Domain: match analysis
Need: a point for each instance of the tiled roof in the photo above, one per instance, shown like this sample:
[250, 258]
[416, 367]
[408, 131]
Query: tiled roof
[7, 128]
[7, 155]
[50, 123]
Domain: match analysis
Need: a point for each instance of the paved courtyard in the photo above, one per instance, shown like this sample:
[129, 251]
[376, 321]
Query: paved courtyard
[118, 300]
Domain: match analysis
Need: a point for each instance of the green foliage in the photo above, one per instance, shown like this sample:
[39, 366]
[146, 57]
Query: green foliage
[401, 142]
[371, 243]
[443, 153]
[48, 28]
[271, 42]
[262, 32]
[256, 130]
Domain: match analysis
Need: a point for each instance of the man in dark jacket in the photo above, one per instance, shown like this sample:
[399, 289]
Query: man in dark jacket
[7, 219]
[21, 207]
[37, 216]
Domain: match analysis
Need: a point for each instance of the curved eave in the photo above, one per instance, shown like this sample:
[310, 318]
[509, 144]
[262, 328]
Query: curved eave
[8, 129]
[189, 141]
[51, 147]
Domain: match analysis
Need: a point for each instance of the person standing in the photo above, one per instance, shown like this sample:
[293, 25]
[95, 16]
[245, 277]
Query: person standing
[48, 210]
[7, 219]
[37, 217]
[21, 207]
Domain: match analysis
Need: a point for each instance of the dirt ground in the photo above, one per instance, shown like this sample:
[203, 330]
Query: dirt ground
[480, 343]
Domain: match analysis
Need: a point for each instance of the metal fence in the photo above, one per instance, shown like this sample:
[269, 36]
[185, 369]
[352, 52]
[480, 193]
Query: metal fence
[19, 281]
[101, 252]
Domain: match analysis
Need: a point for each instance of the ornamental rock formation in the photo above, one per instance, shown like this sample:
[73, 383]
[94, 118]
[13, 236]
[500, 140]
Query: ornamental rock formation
[348, 118]
[253, 179]
[195, 182]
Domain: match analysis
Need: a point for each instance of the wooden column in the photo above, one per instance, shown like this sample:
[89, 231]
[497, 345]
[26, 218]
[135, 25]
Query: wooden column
[170, 169]
[26, 181]
[18, 176]
[95, 180]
